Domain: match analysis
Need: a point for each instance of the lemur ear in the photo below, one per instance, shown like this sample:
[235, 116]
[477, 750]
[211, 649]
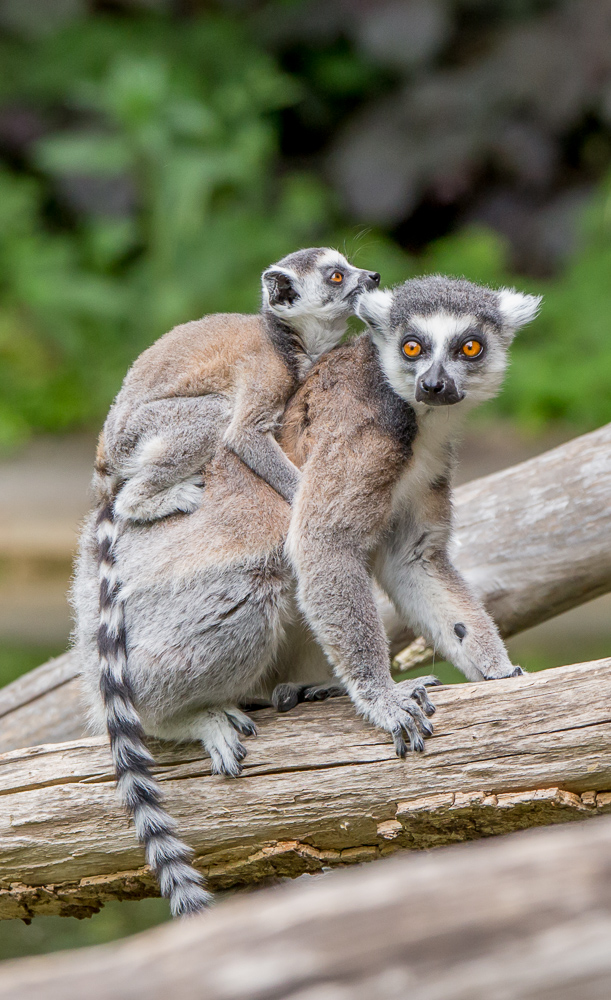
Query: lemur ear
[374, 309]
[280, 287]
[516, 308]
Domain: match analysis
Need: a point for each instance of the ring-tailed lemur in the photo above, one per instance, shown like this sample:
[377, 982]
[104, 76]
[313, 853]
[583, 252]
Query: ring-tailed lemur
[209, 602]
[224, 376]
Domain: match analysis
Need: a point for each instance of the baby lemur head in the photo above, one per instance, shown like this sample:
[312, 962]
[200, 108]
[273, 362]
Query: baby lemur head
[314, 292]
[444, 341]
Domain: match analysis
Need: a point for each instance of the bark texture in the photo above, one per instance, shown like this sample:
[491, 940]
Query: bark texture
[321, 788]
[521, 918]
[534, 540]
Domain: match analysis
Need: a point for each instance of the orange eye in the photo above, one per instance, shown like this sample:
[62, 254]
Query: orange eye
[412, 348]
[472, 348]
[337, 277]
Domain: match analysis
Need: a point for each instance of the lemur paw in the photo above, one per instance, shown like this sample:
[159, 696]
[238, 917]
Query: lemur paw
[401, 711]
[218, 731]
[510, 670]
[240, 722]
[134, 504]
[287, 696]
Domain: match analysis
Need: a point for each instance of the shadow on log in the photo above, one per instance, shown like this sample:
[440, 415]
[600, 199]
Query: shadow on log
[534, 540]
[321, 788]
[526, 917]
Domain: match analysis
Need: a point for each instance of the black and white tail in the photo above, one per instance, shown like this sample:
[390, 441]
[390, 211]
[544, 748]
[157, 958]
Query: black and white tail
[165, 853]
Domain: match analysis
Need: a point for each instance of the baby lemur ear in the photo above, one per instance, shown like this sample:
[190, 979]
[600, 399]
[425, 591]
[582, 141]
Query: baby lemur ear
[517, 309]
[374, 309]
[280, 287]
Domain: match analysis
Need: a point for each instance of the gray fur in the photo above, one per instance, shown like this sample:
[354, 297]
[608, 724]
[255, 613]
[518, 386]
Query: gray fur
[150, 463]
[213, 623]
[156, 448]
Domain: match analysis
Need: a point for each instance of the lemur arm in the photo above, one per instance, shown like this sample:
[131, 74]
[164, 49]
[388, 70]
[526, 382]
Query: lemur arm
[329, 543]
[257, 412]
[433, 598]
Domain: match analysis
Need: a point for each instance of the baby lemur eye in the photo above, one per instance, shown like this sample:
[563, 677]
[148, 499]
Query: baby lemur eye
[337, 277]
[472, 348]
[412, 349]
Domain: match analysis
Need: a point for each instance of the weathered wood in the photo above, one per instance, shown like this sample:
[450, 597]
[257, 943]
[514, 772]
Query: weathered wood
[534, 540]
[526, 917]
[321, 788]
[44, 704]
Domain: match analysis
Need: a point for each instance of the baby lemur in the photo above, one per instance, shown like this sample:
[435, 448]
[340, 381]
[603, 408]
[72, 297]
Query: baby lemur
[224, 376]
[203, 614]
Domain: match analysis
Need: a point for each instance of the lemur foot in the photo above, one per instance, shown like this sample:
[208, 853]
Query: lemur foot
[401, 710]
[287, 696]
[136, 504]
[240, 722]
[218, 731]
[496, 673]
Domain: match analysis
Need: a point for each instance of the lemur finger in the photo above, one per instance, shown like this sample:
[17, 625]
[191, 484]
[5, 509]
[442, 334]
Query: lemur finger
[240, 722]
[416, 743]
[413, 709]
[420, 695]
[285, 697]
[400, 744]
[224, 763]
[320, 692]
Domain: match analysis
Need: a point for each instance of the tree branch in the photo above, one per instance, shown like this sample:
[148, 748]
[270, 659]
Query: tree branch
[321, 788]
[534, 540]
[528, 916]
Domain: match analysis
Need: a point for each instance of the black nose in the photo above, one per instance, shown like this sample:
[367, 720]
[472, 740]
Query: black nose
[434, 387]
[373, 279]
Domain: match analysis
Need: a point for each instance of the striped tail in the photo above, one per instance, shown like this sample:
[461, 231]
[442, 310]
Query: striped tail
[167, 855]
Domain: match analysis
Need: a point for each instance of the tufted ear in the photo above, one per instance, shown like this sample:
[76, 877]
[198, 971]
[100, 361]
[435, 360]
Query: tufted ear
[516, 308]
[374, 309]
[279, 286]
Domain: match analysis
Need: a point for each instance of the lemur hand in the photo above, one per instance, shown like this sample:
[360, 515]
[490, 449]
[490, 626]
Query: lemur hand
[402, 709]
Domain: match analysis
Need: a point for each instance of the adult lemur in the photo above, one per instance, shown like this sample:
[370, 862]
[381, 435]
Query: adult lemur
[224, 376]
[208, 604]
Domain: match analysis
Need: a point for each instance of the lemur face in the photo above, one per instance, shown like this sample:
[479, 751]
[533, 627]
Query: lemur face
[444, 341]
[318, 283]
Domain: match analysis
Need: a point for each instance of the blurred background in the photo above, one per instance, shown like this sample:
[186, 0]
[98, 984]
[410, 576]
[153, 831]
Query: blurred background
[156, 155]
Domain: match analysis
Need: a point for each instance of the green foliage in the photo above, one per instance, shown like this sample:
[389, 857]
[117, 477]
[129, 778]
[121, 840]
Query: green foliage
[181, 116]
[115, 920]
[17, 659]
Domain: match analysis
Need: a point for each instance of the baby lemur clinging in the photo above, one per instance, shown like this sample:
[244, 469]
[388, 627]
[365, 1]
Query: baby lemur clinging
[201, 614]
[227, 377]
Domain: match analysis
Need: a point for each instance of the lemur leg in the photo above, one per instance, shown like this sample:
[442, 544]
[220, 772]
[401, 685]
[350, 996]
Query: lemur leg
[434, 598]
[219, 731]
[165, 445]
[335, 593]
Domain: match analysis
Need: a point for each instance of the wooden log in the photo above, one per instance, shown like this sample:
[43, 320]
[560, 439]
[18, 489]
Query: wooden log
[44, 705]
[321, 788]
[534, 540]
[526, 917]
